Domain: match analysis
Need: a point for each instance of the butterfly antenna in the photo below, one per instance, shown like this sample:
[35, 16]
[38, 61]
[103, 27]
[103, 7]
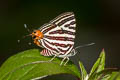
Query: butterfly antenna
[27, 28]
[25, 35]
[84, 45]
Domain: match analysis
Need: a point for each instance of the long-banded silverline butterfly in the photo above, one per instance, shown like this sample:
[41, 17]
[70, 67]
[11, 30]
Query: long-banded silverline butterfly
[57, 37]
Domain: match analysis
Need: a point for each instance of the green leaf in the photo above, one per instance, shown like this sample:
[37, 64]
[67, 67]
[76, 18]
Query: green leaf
[30, 64]
[115, 76]
[105, 74]
[83, 71]
[99, 64]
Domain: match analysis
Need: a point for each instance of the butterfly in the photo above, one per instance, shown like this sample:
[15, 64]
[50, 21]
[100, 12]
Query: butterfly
[57, 37]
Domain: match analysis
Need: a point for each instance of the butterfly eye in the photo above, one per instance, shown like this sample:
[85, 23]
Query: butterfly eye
[34, 37]
[35, 32]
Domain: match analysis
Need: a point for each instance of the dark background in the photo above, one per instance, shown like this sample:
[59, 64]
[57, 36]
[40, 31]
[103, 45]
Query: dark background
[98, 21]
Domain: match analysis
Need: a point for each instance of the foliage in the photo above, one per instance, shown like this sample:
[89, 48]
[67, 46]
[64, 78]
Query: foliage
[29, 65]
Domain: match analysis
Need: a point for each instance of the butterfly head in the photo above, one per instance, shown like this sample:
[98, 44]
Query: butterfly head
[37, 34]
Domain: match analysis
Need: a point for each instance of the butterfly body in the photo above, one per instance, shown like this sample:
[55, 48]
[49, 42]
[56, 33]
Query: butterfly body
[57, 36]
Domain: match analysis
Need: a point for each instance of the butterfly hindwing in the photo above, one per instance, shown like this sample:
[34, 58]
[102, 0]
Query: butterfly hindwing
[46, 52]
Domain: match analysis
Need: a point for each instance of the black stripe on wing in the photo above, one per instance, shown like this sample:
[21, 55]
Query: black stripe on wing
[47, 46]
[66, 14]
[58, 44]
[65, 21]
[49, 28]
[63, 15]
[44, 26]
[62, 32]
[67, 18]
[59, 38]
[59, 47]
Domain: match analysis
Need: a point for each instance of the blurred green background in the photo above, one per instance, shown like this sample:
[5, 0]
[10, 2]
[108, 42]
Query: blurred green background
[98, 21]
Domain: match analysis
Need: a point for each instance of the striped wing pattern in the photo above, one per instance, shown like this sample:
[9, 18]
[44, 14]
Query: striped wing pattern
[47, 52]
[59, 35]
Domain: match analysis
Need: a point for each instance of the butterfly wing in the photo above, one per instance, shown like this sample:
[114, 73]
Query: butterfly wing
[59, 34]
[47, 52]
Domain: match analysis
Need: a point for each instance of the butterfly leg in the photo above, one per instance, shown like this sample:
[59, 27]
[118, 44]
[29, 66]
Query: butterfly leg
[66, 61]
[63, 60]
[53, 58]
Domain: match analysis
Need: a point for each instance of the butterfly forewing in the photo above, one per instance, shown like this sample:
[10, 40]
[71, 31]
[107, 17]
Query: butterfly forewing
[59, 35]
